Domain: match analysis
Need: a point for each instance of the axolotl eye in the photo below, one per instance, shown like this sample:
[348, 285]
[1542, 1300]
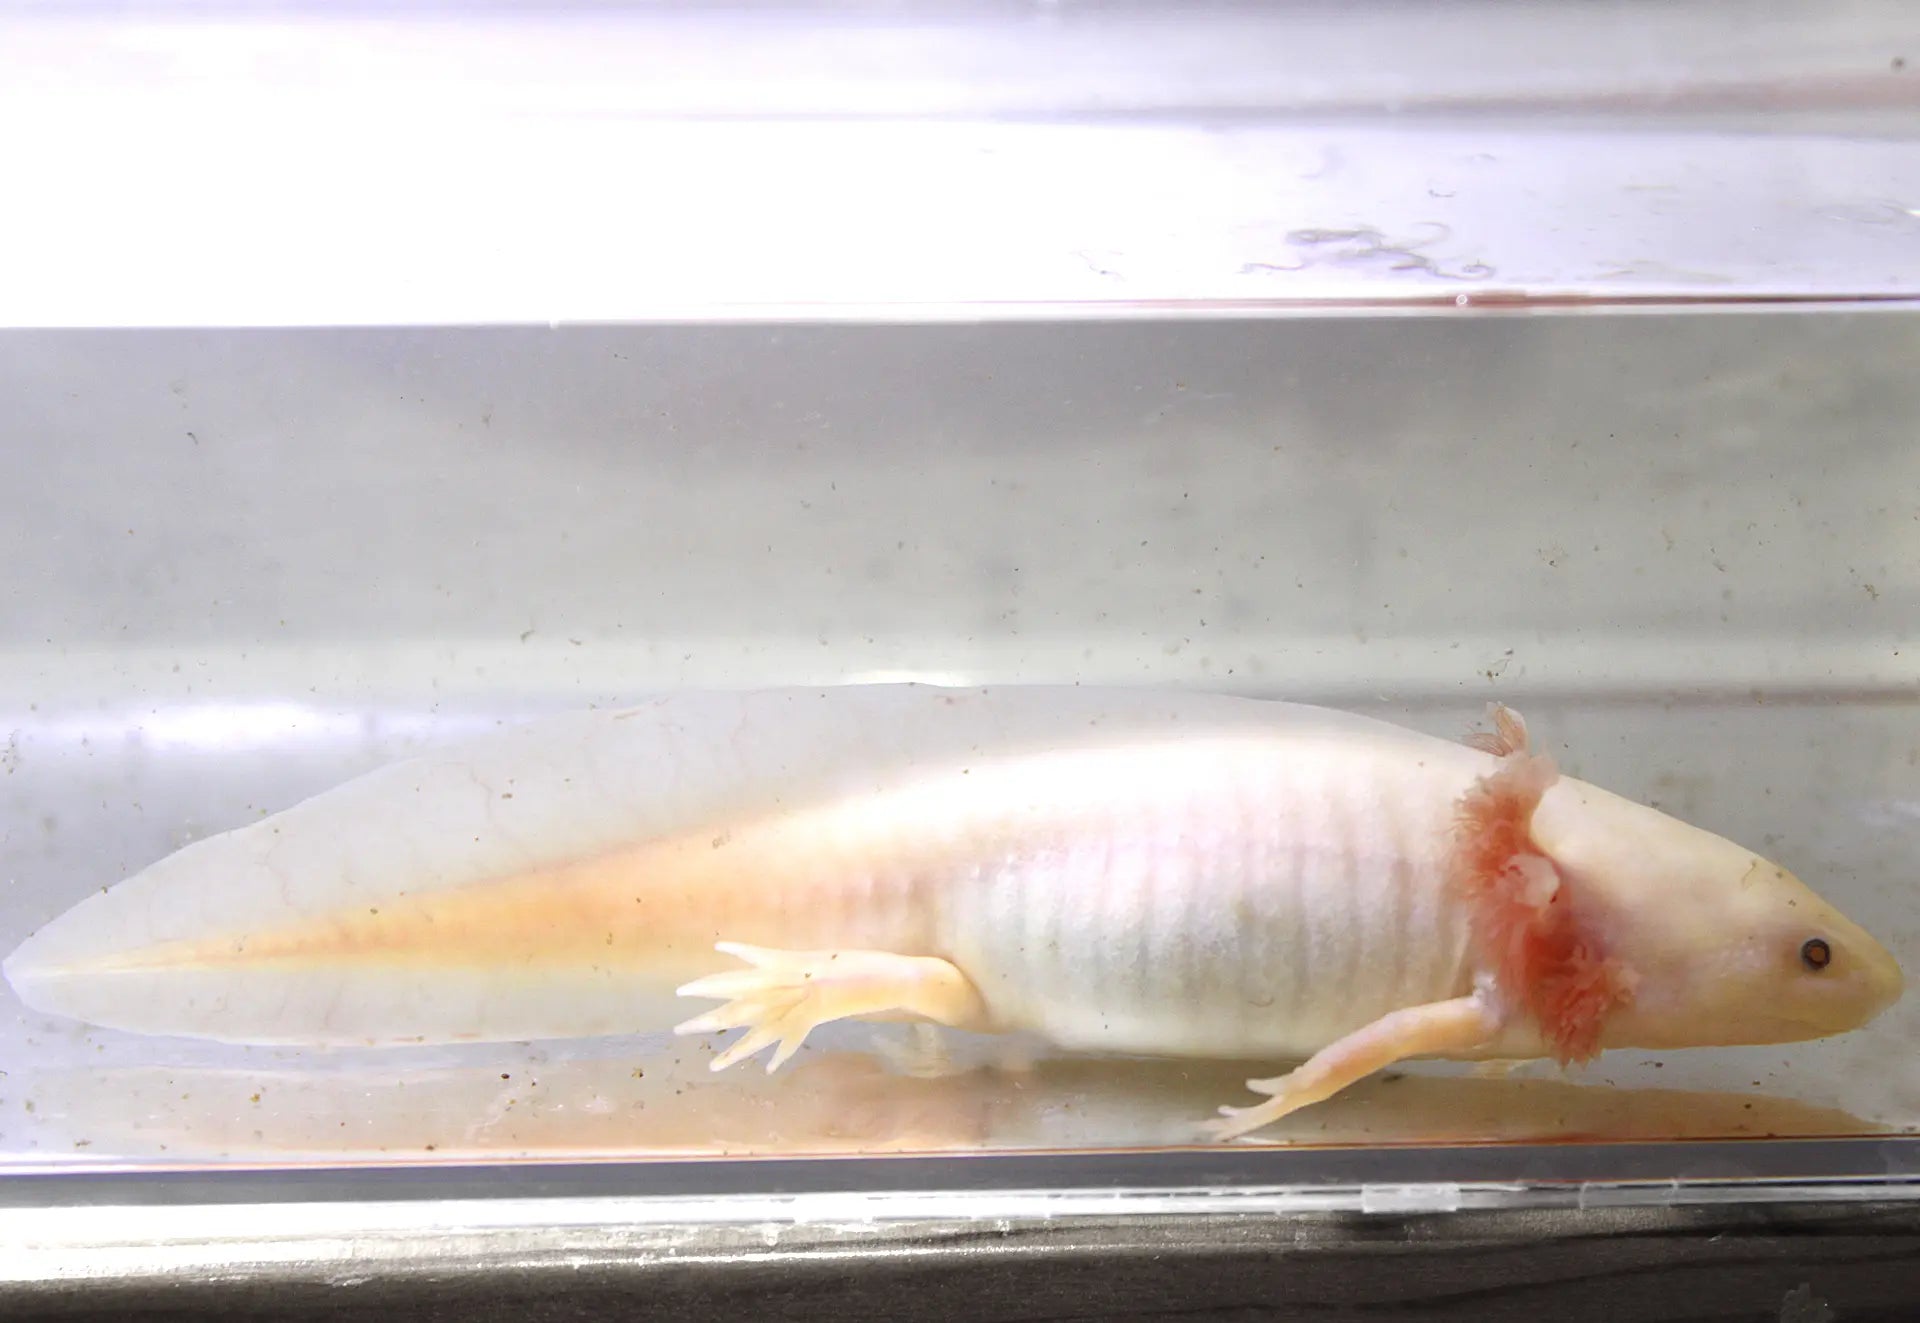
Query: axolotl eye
[1815, 954]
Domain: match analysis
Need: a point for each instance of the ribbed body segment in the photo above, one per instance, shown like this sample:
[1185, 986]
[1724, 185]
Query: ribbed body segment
[1266, 901]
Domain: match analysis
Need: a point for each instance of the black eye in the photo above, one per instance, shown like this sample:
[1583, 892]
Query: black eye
[1815, 953]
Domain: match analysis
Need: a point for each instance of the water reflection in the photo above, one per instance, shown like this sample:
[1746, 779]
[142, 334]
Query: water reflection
[825, 1103]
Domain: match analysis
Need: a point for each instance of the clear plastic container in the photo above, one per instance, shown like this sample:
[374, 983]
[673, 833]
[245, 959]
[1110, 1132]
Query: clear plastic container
[369, 381]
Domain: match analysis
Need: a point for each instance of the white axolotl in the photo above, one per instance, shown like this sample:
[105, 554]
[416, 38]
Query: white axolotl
[1113, 870]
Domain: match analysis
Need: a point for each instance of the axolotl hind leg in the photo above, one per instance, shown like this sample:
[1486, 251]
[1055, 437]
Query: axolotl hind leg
[785, 995]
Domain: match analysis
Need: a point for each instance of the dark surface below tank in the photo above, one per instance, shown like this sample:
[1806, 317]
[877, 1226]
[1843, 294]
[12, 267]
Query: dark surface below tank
[1793, 1262]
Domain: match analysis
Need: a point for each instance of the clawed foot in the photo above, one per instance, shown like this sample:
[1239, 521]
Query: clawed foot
[1237, 1121]
[786, 995]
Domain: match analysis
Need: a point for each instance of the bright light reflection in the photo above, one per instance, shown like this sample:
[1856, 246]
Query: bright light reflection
[240, 725]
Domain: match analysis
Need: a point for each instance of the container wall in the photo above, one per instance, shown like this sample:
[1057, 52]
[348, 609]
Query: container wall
[242, 566]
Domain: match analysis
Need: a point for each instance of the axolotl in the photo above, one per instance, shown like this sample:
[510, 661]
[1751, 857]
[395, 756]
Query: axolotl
[1112, 870]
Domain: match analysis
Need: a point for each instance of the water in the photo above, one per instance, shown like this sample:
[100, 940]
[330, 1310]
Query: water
[243, 566]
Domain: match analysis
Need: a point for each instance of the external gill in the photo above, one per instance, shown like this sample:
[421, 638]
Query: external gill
[1524, 922]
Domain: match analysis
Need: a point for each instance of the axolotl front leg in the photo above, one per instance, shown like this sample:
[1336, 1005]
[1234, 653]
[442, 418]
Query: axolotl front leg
[1444, 1028]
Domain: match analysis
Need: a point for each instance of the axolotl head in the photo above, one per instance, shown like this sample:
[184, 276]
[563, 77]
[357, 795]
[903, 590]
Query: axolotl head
[1721, 946]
